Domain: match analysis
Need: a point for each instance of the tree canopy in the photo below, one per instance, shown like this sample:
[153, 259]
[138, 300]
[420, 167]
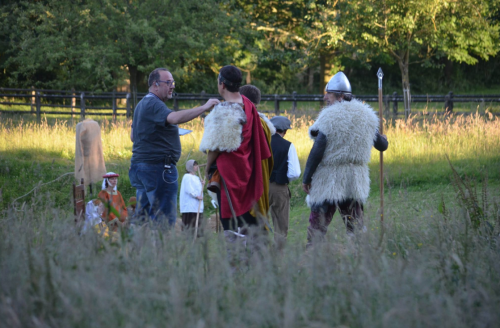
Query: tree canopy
[279, 45]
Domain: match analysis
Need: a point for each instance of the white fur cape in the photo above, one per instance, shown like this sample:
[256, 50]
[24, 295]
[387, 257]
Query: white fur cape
[350, 128]
[223, 127]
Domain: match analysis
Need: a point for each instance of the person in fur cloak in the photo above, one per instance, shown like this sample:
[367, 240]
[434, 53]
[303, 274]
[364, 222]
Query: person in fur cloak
[236, 143]
[336, 174]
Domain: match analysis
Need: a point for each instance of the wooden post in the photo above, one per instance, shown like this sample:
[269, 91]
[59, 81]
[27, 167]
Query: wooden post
[276, 105]
[38, 106]
[33, 99]
[73, 102]
[448, 103]
[294, 104]
[127, 102]
[176, 101]
[114, 106]
[395, 104]
[82, 106]
[202, 94]
[380, 75]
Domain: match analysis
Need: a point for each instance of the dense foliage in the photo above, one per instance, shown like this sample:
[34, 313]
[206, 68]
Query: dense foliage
[281, 46]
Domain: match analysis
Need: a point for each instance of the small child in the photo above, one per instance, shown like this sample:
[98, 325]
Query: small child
[191, 196]
[115, 210]
[93, 212]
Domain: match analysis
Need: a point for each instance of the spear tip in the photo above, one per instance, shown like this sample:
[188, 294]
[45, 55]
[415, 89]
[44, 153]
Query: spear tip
[380, 74]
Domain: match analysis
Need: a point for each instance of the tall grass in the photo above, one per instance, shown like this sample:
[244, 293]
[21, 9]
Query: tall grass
[30, 152]
[432, 268]
[438, 273]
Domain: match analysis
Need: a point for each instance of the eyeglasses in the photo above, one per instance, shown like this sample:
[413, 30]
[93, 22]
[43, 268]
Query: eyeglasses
[171, 83]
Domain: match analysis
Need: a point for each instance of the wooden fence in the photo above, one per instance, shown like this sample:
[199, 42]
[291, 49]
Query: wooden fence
[82, 103]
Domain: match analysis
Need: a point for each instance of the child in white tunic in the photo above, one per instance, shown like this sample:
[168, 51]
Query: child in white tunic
[191, 196]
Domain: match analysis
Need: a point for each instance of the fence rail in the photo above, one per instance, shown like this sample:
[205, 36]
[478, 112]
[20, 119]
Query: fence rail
[84, 103]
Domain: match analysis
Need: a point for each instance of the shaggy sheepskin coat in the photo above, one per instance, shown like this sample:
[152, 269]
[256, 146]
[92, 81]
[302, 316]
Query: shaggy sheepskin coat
[223, 127]
[350, 128]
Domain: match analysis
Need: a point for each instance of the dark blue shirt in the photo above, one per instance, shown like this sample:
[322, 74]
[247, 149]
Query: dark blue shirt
[154, 138]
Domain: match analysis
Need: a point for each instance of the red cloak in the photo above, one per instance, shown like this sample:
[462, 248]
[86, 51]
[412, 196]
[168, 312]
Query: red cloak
[242, 168]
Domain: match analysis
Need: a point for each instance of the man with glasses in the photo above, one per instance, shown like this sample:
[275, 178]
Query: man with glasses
[157, 149]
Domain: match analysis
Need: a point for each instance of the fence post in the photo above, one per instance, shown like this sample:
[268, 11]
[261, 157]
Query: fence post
[294, 104]
[202, 94]
[276, 104]
[73, 102]
[448, 102]
[82, 105]
[38, 106]
[395, 104]
[127, 101]
[114, 106]
[176, 101]
[33, 99]
[386, 101]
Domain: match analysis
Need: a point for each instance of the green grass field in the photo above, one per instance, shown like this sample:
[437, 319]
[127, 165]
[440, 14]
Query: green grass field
[436, 263]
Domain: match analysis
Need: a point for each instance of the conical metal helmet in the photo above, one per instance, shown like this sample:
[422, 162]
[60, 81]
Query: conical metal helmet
[339, 83]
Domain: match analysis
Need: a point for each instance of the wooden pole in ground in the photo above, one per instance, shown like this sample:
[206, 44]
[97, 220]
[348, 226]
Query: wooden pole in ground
[199, 203]
[380, 75]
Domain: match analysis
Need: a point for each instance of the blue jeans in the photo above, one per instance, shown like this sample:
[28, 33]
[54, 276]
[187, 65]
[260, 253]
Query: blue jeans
[156, 193]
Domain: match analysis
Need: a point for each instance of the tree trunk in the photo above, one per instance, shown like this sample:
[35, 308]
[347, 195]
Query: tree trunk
[249, 77]
[324, 71]
[405, 76]
[448, 72]
[310, 81]
[132, 70]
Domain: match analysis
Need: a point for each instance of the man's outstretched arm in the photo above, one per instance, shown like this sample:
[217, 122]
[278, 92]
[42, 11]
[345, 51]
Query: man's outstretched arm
[380, 142]
[187, 115]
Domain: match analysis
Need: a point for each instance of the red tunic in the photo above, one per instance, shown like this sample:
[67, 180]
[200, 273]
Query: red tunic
[115, 200]
[242, 168]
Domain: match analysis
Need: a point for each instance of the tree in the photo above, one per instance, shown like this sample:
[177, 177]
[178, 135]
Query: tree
[293, 36]
[99, 43]
[415, 31]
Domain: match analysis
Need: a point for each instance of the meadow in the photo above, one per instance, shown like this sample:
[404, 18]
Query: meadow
[434, 261]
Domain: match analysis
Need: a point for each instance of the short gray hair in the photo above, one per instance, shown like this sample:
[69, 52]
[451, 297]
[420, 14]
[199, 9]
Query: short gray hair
[155, 75]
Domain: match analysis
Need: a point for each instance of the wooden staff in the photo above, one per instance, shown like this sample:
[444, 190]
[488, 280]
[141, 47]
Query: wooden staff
[380, 75]
[199, 203]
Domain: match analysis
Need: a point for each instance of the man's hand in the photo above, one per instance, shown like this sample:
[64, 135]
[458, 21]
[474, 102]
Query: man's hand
[384, 136]
[306, 187]
[211, 103]
[199, 197]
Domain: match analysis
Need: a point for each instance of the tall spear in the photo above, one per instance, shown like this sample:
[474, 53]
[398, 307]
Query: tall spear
[380, 75]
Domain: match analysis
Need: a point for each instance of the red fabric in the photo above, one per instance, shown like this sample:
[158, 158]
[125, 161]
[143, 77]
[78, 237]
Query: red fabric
[242, 169]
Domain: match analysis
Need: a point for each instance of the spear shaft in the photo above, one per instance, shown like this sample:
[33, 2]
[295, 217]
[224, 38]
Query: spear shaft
[380, 75]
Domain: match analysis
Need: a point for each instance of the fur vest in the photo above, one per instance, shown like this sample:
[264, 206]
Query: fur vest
[223, 127]
[350, 128]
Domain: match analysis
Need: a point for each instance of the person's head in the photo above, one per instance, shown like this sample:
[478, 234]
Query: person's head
[338, 89]
[251, 92]
[282, 124]
[229, 79]
[99, 206]
[161, 83]
[110, 180]
[192, 166]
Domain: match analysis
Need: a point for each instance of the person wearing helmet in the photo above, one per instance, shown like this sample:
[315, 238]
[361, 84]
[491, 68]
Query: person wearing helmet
[336, 176]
